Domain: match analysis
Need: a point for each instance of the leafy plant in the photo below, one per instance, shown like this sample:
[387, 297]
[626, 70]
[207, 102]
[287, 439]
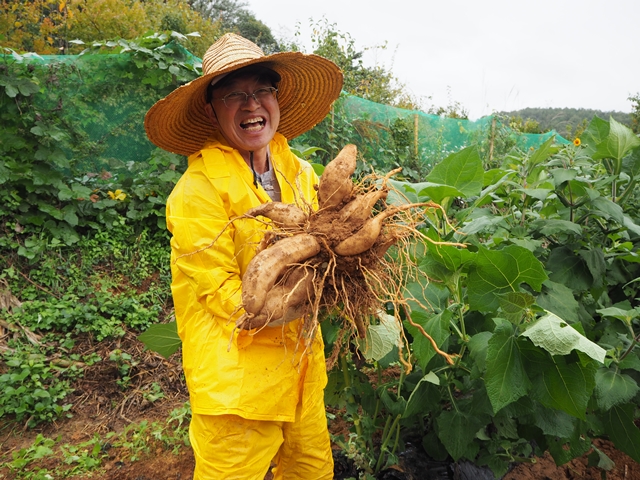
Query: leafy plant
[537, 313]
[33, 389]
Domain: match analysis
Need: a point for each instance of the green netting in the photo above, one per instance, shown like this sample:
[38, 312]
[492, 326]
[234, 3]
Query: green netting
[102, 99]
[94, 104]
[390, 136]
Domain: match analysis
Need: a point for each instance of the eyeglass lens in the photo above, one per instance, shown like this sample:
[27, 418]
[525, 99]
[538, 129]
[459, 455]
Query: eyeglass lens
[235, 99]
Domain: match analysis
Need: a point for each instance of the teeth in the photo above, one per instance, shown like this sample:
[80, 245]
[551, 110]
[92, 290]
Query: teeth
[253, 123]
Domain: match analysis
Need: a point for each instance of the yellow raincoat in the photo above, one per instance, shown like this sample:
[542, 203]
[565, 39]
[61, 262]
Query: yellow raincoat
[257, 376]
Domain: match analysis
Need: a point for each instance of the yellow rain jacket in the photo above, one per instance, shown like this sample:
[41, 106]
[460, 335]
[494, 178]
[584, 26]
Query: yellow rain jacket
[257, 376]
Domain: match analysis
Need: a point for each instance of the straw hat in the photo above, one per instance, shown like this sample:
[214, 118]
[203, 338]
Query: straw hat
[309, 85]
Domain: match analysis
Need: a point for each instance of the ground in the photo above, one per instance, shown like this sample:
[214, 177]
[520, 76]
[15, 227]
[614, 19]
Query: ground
[101, 406]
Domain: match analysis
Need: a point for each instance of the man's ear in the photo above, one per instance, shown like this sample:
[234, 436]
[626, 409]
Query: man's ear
[211, 115]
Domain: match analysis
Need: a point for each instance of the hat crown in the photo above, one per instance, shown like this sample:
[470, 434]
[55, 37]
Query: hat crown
[228, 51]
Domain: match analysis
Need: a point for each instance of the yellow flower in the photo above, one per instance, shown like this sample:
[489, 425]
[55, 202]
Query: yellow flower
[577, 142]
[117, 195]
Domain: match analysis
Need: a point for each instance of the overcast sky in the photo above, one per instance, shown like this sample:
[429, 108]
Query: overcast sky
[488, 55]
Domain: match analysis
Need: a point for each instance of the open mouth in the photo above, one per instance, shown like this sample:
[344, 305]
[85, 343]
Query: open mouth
[253, 124]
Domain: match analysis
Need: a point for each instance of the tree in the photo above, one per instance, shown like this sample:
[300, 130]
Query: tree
[372, 83]
[47, 26]
[235, 17]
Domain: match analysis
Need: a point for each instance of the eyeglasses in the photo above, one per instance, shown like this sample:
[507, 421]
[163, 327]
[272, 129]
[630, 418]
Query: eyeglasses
[238, 99]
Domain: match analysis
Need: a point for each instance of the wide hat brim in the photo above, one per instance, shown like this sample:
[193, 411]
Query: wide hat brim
[309, 85]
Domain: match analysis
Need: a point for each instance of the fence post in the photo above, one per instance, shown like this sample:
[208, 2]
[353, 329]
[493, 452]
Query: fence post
[415, 134]
[492, 139]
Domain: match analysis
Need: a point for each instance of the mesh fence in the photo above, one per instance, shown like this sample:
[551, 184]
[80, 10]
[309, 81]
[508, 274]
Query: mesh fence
[102, 99]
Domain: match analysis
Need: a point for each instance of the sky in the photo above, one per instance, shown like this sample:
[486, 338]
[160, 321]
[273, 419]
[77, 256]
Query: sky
[487, 55]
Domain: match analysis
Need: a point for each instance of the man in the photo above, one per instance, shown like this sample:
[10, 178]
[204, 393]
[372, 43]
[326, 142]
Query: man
[256, 396]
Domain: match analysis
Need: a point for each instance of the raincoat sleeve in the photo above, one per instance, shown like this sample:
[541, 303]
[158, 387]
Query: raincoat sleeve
[203, 248]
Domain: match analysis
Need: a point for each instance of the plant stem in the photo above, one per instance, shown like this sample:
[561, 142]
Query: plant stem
[350, 398]
[385, 439]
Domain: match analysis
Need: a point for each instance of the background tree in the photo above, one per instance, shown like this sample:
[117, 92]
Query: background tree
[375, 83]
[233, 16]
[47, 27]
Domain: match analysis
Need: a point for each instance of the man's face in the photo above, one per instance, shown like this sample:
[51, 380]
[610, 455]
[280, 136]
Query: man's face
[249, 126]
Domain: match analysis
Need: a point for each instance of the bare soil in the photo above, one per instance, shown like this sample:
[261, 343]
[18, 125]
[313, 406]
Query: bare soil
[101, 406]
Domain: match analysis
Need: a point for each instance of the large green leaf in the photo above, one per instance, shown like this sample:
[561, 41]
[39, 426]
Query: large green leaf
[437, 192]
[618, 143]
[614, 388]
[451, 257]
[456, 430]
[557, 337]
[543, 152]
[619, 425]
[437, 326]
[515, 304]
[505, 378]
[462, 170]
[564, 387]
[608, 209]
[496, 272]
[380, 339]
[554, 226]
[554, 422]
[559, 299]
[161, 338]
[568, 269]
[432, 297]
[596, 133]
[423, 397]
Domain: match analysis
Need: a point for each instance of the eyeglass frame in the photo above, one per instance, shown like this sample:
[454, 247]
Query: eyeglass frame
[272, 90]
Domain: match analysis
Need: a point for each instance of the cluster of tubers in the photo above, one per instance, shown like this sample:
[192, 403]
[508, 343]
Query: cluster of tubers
[330, 258]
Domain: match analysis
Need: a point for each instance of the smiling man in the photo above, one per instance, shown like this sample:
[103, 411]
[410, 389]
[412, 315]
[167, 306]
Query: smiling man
[256, 398]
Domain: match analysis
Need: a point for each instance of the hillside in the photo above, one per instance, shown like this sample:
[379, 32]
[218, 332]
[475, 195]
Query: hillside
[564, 120]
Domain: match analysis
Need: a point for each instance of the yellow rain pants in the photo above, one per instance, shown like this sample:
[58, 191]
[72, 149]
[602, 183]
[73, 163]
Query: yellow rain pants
[261, 375]
[230, 447]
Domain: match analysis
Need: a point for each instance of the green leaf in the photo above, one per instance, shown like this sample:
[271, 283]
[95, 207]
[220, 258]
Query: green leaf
[608, 209]
[514, 304]
[318, 168]
[601, 460]
[618, 144]
[596, 132]
[559, 299]
[537, 193]
[594, 258]
[561, 175]
[543, 152]
[619, 425]
[462, 170]
[558, 338]
[437, 192]
[568, 269]
[456, 431]
[505, 378]
[161, 338]
[614, 388]
[554, 422]
[423, 396]
[496, 272]
[563, 450]
[553, 226]
[621, 314]
[380, 339]
[451, 257]
[564, 387]
[437, 326]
